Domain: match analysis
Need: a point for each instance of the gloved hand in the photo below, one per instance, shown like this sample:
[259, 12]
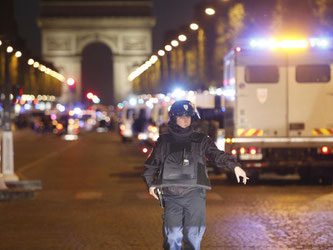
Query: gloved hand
[239, 172]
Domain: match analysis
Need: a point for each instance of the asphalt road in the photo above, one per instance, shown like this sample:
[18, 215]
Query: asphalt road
[93, 198]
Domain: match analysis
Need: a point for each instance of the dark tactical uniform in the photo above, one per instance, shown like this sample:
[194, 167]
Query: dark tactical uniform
[177, 165]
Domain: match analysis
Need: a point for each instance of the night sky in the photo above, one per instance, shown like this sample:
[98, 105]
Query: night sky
[170, 14]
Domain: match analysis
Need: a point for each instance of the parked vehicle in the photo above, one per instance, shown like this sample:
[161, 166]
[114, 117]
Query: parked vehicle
[278, 99]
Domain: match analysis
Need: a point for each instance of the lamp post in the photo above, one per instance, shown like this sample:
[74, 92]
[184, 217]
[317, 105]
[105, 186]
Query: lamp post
[7, 134]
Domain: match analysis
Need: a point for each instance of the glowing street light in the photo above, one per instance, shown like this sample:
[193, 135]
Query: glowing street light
[194, 26]
[18, 54]
[42, 67]
[174, 43]
[168, 47]
[36, 64]
[153, 59]
[31, 61]
[10, 49]
[161, 52]
[210, 11]
[182, 38]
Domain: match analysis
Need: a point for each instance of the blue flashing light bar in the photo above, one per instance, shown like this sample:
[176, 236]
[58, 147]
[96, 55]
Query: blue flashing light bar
[322, 43]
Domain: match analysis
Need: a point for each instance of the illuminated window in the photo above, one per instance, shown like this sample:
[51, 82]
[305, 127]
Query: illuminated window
[262, 74]
[313, 73]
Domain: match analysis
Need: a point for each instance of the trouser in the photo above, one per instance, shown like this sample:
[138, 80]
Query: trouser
[184, 219]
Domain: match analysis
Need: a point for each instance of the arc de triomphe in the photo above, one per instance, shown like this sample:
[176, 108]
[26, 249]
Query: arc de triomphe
[68, 26]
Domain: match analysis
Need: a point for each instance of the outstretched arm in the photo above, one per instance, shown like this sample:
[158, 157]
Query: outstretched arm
[223, 159]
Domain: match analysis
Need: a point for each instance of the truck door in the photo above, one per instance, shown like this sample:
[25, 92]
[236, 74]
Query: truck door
[261, 87]
[310, 91]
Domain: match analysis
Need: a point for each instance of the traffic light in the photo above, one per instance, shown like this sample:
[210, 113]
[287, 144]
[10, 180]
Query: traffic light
[90, 95]
[71, 84]
[70, 81]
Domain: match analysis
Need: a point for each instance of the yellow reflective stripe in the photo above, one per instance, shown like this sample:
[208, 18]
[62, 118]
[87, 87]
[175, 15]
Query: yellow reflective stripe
[325, 131]
[322, 131]
[240, 131]
[250, 132]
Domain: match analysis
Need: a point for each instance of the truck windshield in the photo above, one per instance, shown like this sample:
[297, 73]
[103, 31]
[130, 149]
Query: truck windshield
[262, 74]
[313, 73]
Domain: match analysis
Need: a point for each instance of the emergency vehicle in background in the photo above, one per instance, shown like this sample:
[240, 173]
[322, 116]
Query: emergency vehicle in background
[155, 111]
[278, 102]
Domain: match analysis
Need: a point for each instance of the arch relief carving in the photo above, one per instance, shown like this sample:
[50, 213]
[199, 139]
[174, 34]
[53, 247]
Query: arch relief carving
[109, 40]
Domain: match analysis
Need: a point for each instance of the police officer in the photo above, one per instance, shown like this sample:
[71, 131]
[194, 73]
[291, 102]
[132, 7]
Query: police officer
[177, 166]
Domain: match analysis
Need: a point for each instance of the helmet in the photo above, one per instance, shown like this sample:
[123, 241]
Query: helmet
[183, 107]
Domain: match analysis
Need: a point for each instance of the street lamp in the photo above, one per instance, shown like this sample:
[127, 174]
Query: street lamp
[194, 26]
[210, 11]
[31, 61]
[42, 68]
[168, 47]
[174, 43]
[18, 54]
[153, 59]
[182, 38]
[10, 49]
[161, 52]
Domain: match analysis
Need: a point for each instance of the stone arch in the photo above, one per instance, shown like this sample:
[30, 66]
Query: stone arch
[84, 41]
[97, 71]
[124, 26]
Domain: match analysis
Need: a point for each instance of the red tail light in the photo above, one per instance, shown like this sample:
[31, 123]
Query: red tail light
[253, 151]
[325, 150]
[145, 150]
[59, 126]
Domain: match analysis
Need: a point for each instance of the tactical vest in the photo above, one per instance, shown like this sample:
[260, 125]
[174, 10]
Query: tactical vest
[185, 168]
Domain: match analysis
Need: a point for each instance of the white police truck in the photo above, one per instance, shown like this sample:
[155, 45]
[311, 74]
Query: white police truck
[279, 106]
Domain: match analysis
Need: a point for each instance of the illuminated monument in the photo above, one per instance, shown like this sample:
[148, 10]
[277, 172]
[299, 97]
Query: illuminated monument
[125, 27]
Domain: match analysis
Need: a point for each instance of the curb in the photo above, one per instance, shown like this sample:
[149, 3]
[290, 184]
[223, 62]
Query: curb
[20, 190]
[25, 185]
[16, 195]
